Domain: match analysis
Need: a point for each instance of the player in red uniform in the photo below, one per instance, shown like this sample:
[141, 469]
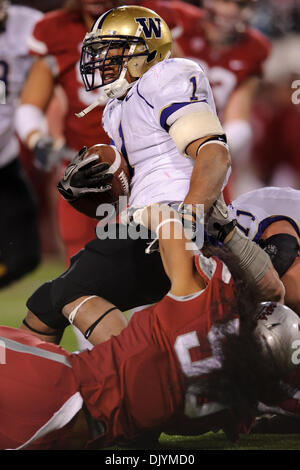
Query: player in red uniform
[39, 392]
[175, 367]
[56, 41]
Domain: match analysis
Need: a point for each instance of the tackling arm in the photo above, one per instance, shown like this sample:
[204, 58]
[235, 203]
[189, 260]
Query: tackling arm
[248, 255]
[89, 313]
[178, 260]
[257, 266]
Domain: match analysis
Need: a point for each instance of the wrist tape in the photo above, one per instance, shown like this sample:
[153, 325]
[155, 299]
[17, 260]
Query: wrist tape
[250, 256]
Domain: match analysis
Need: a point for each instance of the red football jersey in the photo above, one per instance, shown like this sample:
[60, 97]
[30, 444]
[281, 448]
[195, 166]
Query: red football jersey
[58, 36]
[172, 12]
[38, 392]
[276, 139]
[140, 380]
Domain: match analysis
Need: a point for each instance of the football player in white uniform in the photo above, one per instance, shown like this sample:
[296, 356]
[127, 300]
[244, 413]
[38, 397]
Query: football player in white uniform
[162, 118]
[19, 241]
[271, 217]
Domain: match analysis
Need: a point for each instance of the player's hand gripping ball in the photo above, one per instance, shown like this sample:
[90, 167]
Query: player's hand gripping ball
[98, 175]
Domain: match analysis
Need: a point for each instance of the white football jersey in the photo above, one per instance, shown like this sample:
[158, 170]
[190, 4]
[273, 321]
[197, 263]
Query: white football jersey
[14, 66]
[257, 209]
[138, 126]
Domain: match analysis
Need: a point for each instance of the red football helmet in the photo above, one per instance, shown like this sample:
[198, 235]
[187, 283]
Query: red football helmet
[228, 17]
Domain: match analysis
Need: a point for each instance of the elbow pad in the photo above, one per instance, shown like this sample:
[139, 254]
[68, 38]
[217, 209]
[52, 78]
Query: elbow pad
[282, 248]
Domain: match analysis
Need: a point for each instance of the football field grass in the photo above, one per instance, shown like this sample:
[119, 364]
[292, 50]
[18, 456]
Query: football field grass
[12, 311]
[13, 298]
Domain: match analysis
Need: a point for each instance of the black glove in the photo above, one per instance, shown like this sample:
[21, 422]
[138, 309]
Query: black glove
[81, 177]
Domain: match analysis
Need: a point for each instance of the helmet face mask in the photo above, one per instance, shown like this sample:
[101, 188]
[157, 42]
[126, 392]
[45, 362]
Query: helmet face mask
[106, 58]
[124, 41]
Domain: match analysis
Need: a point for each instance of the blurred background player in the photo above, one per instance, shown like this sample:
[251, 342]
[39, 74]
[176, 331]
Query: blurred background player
[19, 237]
[56, 41]
[276, 117]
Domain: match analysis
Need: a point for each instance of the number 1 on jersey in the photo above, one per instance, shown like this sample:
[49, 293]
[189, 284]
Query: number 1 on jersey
[193, 81]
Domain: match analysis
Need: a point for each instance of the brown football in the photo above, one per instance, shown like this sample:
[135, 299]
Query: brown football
[88, 203]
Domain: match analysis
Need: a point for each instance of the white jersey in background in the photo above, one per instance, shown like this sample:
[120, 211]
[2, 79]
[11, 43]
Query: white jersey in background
[15, 63]
[138, 126]
[258, 209]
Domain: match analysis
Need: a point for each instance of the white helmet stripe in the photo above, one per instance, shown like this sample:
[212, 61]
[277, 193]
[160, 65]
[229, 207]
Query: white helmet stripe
[99, 22]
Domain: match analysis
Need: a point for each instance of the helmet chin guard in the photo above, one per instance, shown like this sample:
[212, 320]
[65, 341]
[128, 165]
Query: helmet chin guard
[118, 88]
[115, 89]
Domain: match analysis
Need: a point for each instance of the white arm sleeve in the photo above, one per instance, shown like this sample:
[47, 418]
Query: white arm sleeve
[29, 118]
[239, 134]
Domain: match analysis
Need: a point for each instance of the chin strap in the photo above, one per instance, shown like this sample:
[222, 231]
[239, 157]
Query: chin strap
[101, 101]
[119, 89]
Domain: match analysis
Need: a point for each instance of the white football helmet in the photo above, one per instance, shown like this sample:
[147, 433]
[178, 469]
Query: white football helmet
[278, 330]
[129, 38]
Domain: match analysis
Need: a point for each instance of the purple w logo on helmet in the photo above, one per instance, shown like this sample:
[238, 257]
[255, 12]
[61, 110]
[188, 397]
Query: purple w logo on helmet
[151, 26]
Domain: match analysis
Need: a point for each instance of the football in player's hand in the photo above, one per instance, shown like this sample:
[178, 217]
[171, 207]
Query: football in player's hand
[88, 203]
